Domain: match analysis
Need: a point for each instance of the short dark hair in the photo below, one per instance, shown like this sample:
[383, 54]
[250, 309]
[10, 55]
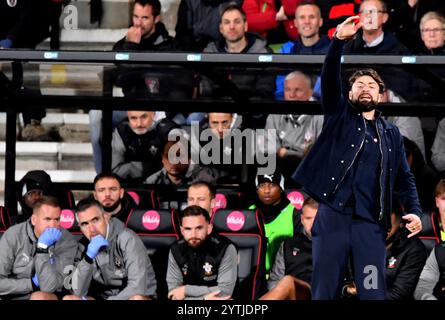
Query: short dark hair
[107, 175]
[87, 203]
[231, 7]
[308, 3]
[194, 211]
[46, 200]
[155, 6]
[202, 183]
[370, 73]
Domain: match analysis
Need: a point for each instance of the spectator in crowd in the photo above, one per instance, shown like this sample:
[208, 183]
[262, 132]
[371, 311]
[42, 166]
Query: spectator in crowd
[290, 276]
[202, 265]
[147, 33]
[432, 31]
[372, 39]
[366, 162]
[235, 39]
[405, 259]
[438, 148]
[113, 198]
[294, 133]
[177, 169]
[137, 145]
[405, 17]
[308, 22]
[221, 148]
[34, 255]
[410, 127]
[202, 194]
[281, 218]
[198, 22]
[24, 24]
[111, 262]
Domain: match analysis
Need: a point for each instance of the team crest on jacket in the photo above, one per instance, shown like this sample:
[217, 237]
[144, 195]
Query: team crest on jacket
[153, 150]
[295, 252]
[392, 263]
[118, 262]
[184, 269]
[11, 3]
[208, 269]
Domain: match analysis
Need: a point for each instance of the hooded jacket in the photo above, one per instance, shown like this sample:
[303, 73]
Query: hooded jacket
[118, 272]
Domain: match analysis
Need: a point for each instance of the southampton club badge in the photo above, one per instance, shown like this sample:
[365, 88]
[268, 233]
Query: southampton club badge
[208, 269]
[11, 3]
[185, 269]
[392, 263]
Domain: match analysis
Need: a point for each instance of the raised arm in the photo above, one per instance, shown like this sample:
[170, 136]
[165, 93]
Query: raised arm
[331, 88]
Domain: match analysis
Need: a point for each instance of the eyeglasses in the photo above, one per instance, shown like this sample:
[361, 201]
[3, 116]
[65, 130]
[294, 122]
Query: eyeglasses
[435, 30]
[372, 11]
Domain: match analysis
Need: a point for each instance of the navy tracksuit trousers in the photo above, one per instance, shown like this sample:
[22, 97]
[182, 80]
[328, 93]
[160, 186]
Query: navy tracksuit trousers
[336, 236]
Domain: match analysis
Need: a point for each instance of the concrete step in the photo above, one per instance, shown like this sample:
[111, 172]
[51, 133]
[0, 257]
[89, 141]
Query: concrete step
[51, 156]
[73, 127]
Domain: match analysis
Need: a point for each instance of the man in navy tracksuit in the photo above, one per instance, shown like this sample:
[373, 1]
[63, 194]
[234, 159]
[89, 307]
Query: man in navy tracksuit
[351, 170]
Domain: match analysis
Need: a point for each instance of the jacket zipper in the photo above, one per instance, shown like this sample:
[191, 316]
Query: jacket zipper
[353, 160]
[381, 171]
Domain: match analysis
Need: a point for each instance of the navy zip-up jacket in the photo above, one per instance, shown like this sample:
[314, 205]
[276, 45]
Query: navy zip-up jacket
[323, 170]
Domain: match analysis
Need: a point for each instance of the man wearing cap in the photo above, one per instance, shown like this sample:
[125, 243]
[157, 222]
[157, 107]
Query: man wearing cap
[31, 188]
[34, 255]
[110, 194]
[202, 265]
[280, 216]
[352, 170]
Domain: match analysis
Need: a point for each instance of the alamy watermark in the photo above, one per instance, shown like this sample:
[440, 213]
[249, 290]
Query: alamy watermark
[237, 147]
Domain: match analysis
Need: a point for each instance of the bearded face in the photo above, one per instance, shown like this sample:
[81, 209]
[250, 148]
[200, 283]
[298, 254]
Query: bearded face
[365, 94]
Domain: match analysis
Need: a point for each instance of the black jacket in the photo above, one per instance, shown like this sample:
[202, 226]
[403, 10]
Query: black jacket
[198, 23]
[404, 263]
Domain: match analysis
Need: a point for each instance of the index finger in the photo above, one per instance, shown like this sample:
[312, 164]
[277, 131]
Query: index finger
[349, 19]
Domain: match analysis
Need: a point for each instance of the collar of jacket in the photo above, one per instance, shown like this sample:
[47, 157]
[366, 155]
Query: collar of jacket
[30, 231]
[159, 36]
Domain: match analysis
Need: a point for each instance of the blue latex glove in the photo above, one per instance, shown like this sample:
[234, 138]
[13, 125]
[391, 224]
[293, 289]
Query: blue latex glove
[96, 243]
[6, 43]
[35, 280]
[49, 237]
